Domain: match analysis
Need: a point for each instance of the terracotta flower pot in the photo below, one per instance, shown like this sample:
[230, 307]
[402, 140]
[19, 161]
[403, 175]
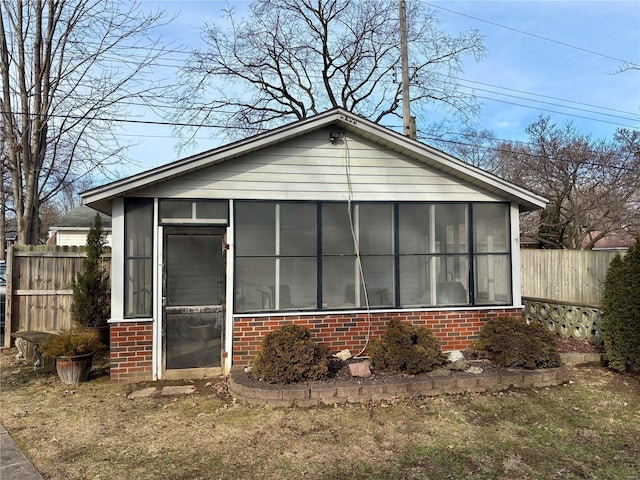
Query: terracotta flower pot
[73, 370]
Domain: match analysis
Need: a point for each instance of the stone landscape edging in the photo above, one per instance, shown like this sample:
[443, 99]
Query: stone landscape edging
[389, 388]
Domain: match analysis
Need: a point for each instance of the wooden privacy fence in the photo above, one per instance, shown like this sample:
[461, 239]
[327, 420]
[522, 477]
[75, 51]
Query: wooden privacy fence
[568, 276]
[39, 280]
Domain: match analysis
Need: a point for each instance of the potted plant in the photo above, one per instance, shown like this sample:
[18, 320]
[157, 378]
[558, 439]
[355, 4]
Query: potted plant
[91, 300]
[73, 351]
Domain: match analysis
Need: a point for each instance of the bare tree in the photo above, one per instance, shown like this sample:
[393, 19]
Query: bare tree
[475, 147]
[68, 68]
[592, 185]
[290, 59]
[4, 193]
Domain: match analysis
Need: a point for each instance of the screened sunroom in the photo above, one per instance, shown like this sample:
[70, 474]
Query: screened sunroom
[332, 222]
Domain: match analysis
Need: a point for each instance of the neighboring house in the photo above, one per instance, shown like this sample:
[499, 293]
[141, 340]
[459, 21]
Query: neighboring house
[332, 222]
[614, 241]
[72, 228]
[10, 234]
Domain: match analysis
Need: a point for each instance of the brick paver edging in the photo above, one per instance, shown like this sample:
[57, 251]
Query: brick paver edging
[389, 388]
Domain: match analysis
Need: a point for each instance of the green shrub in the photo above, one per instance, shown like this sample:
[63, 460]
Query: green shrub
[91, 300]
[621, 311]
[511, 342]
[69, 343]
[406, 348]
[290, 355]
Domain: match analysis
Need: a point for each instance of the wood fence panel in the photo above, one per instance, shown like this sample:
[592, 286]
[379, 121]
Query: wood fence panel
[571, 276]
[39, 288]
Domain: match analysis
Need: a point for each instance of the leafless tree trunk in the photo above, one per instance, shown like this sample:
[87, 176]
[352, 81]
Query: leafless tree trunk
[291, 59]
[67, 70]
[3, 195]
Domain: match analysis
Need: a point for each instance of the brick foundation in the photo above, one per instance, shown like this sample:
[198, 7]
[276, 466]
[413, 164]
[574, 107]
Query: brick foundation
[132, 342]
[131, 351]
[456, 329]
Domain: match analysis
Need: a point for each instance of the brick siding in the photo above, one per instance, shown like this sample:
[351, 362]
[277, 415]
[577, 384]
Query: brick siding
[456, 329]
[131, 351]
[132, 342]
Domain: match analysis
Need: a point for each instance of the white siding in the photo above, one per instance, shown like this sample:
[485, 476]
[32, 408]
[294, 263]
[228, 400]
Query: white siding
[311, 168]
[66, 238]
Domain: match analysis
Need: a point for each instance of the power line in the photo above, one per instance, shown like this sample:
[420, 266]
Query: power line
[524, 92]
[488, 91]
[527, 154]
[391, 127]
[561, 113]
[535, 35]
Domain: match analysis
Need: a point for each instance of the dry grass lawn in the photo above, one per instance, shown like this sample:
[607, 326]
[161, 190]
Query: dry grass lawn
[587, 429]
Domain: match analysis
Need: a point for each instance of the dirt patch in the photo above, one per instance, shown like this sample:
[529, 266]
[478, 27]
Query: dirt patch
[571, 345]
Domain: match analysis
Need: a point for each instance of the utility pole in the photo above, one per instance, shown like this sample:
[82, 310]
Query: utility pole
[409, 122]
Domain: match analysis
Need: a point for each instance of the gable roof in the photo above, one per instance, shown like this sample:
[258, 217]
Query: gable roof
[101, 198]
[82, 218]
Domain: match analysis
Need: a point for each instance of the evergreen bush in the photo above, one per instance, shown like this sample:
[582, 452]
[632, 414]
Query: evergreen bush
[290, 355]
[406, 348]
[511, 342]
[621, 311]
[69, 343]
[91, 300]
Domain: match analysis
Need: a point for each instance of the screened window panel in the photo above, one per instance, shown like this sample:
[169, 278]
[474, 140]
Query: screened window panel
[375, 232]
[175, 209]
[254, 277]
[492, 280]
[193, 211]
[138, 288]
[298, 283]
[256, 228]
[138, 257]
[417, 277]
[379, 277]
[451, 230]
[453, 280]
[139, 228]
[337, 237]
[212, 210]
[491, 228]
[298, 229]
[338, 282]
[415, 229]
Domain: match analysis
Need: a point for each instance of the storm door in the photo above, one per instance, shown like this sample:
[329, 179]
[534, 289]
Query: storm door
[193, 300]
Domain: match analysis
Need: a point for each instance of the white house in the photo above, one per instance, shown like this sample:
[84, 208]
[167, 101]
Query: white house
[72, 228]
[333, 222]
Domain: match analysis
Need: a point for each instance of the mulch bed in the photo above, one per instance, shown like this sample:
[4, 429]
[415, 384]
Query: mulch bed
[571, 345]
[340, 369]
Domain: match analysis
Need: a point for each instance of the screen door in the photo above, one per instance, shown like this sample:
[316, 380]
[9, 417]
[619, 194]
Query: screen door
[193, 299]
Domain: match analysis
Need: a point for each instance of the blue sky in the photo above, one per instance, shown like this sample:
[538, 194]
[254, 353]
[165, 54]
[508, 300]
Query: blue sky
[557, 58]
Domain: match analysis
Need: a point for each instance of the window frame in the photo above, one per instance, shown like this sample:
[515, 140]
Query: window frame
[467, 240]
[131, 313]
